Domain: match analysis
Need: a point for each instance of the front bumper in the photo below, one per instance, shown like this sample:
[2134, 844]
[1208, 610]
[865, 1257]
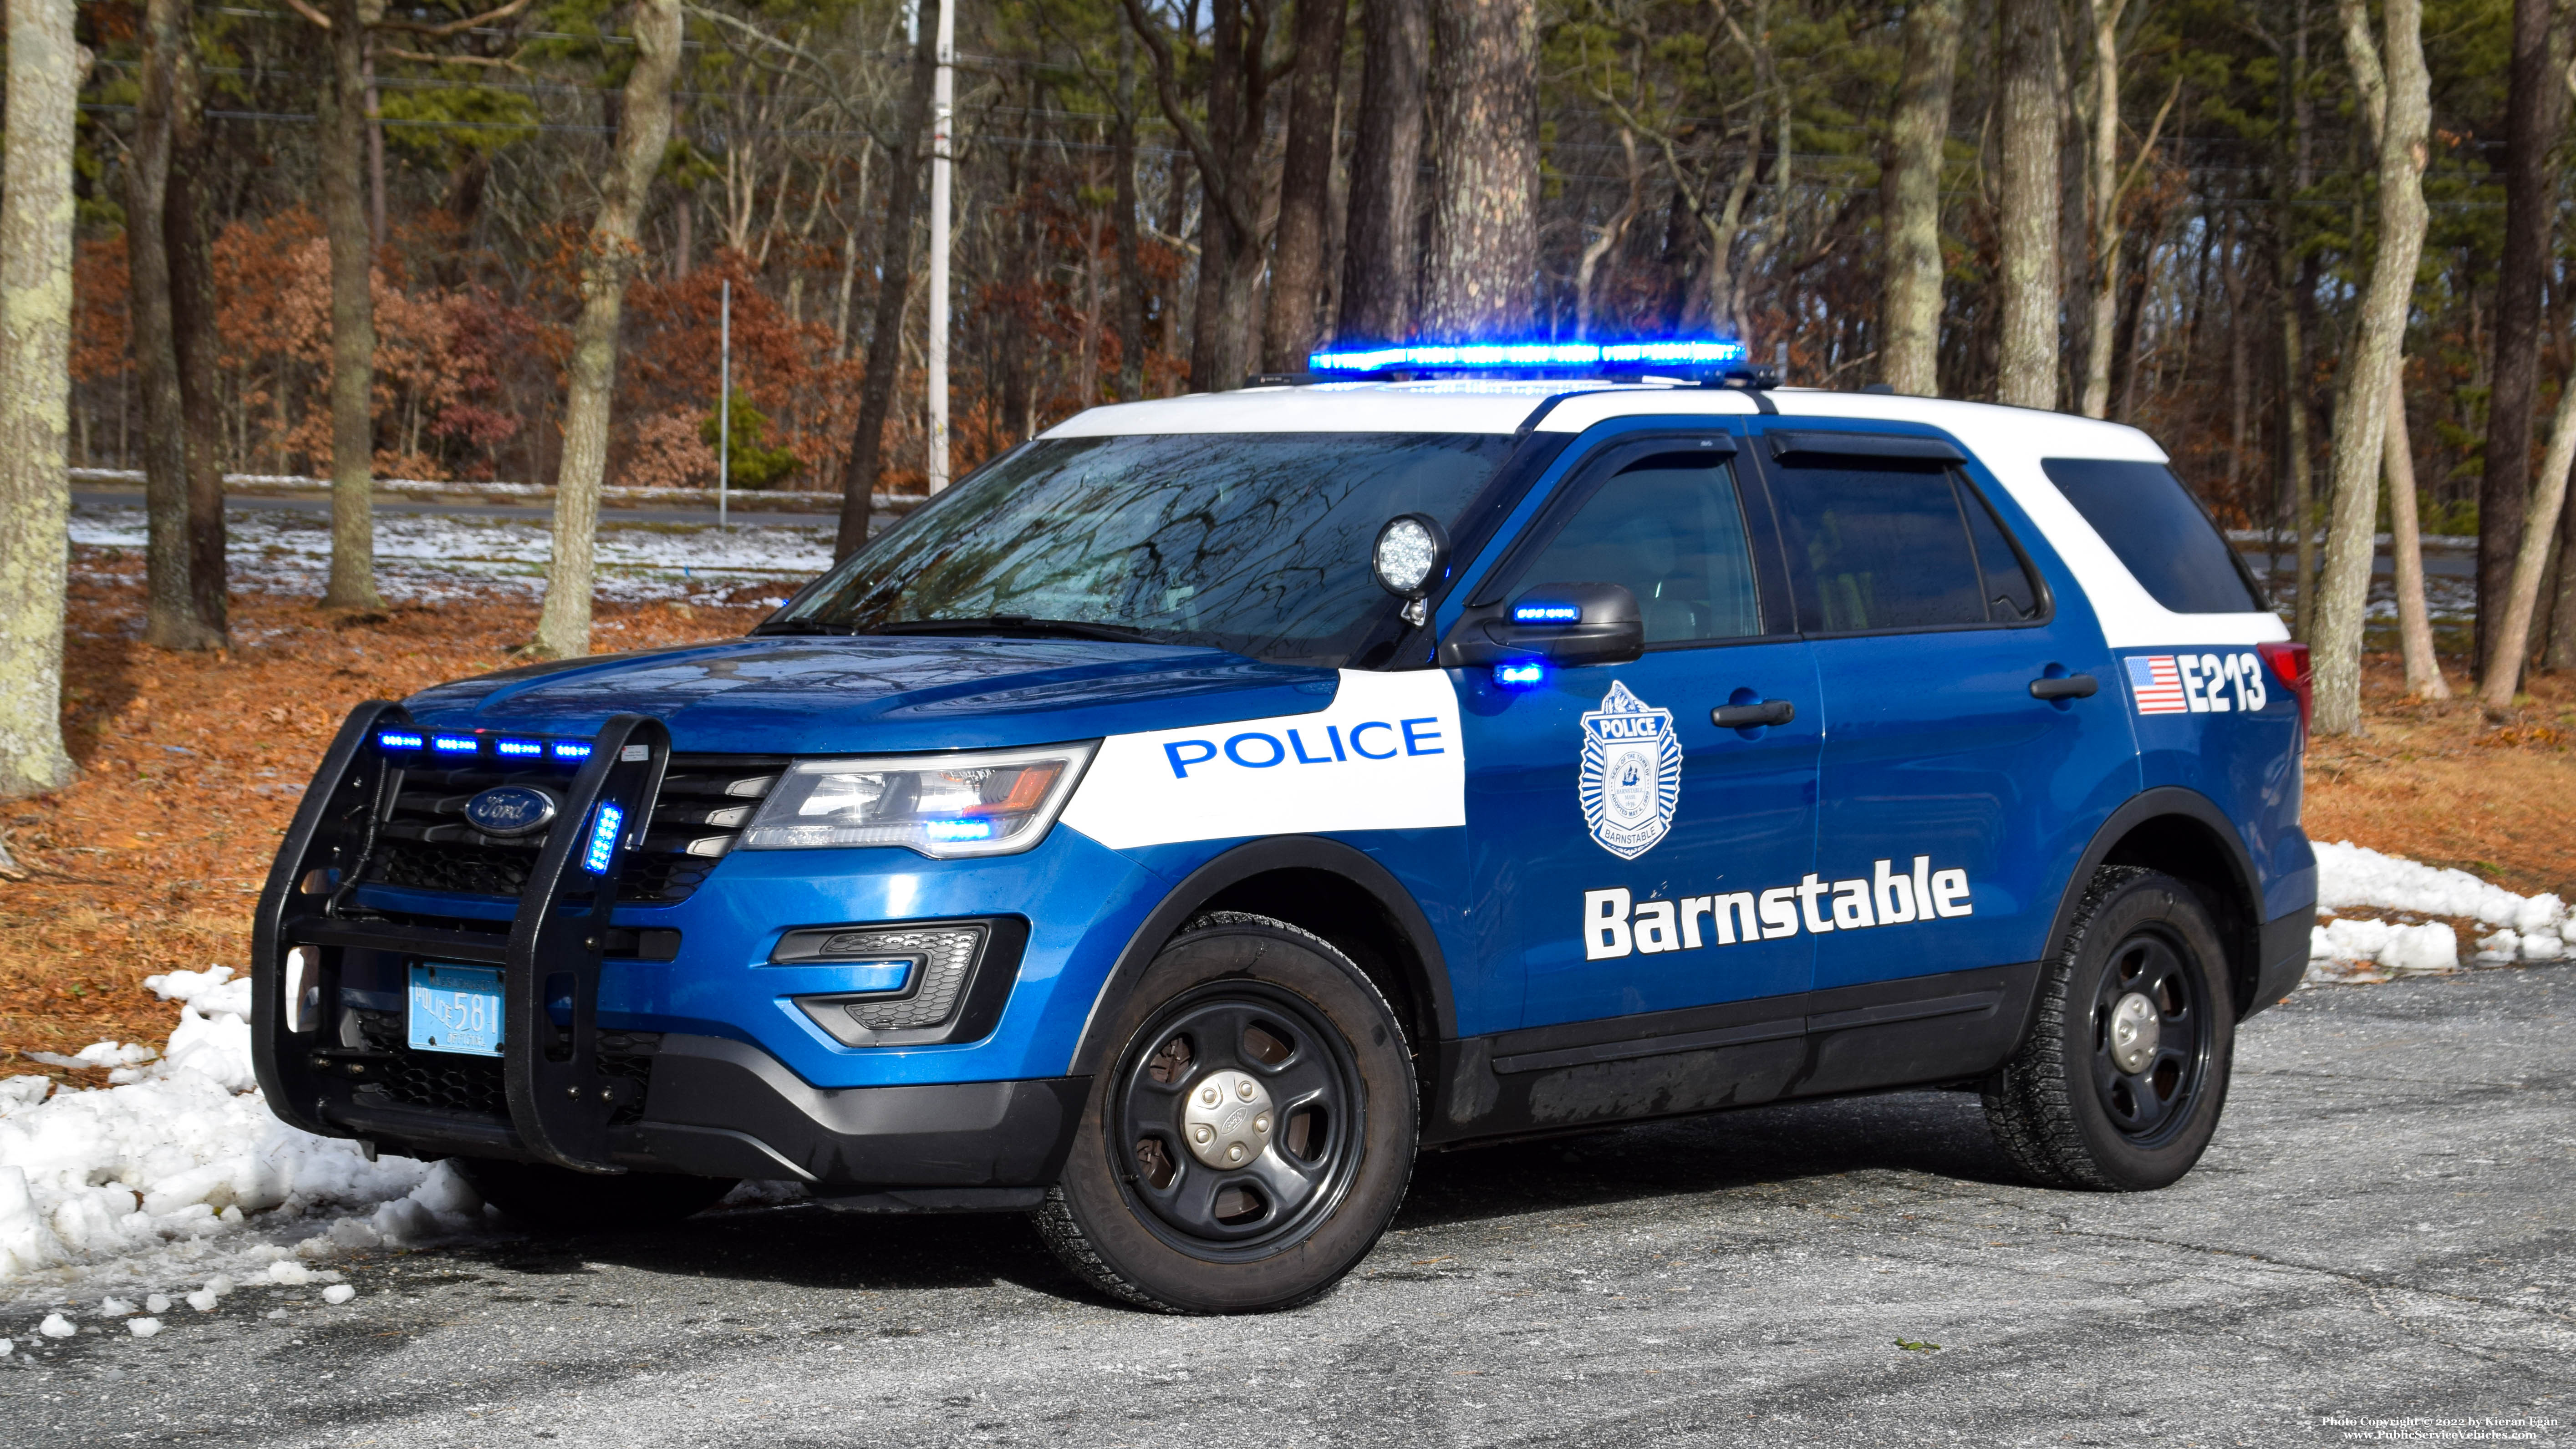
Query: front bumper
[571, 1088]
[720, 1108]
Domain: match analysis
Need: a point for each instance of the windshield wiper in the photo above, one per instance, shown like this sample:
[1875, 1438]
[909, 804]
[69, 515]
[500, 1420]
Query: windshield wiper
[1020, 625]
[798, 626]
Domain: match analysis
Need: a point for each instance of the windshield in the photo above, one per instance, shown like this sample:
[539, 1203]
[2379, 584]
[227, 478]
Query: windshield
[1256, 543]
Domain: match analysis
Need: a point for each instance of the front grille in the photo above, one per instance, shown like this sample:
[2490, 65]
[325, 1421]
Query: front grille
[447, 1081]
[452, 1082]
[424, 842]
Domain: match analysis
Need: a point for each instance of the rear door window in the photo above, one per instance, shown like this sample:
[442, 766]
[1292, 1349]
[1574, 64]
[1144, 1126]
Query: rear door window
[1883, 546]
[2160, 532]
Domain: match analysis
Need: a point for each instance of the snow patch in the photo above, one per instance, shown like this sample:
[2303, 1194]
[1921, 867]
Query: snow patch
[2350, 877]
[2355, 875]
[179, 1166]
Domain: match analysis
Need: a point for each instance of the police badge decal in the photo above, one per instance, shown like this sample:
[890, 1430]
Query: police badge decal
[1632, 773]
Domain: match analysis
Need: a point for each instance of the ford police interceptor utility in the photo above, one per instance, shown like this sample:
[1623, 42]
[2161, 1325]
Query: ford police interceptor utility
[1176, 826]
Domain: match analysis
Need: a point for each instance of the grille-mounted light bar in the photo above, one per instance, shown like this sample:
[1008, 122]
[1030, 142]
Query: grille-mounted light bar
[448, 745]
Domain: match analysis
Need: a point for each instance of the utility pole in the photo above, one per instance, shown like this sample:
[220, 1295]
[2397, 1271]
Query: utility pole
[724, 401]
[943, 110]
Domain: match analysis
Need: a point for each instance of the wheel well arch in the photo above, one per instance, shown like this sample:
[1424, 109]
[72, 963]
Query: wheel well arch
[2183, 834]
[1315, 884]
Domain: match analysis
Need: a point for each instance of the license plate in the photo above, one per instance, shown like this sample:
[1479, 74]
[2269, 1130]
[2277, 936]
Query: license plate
[456, 1009]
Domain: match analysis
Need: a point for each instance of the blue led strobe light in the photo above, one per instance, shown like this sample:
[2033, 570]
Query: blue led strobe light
[456, 744]
[520, 749]
[945, 830]
[1547, 614]
[603, 838]
[399, 740]
[1532, 356]
[1520, 676]
[572, 750]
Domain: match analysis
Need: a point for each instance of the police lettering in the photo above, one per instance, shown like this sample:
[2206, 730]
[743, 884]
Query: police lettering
[1616, 924]
[1375, 739]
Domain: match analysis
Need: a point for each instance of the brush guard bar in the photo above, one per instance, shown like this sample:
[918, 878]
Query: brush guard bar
[560, 1100]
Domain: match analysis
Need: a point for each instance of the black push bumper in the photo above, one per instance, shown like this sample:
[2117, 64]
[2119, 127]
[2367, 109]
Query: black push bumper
[570, 1093]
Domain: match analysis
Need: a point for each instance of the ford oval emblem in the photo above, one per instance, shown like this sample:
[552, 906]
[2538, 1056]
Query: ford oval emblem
[507, 810]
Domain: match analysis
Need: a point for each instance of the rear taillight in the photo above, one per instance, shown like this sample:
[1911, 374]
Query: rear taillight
[2289, 661]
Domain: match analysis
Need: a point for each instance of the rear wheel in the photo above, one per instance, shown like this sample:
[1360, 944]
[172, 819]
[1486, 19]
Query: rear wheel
[545, 1195]
[2120, 1085]
[1253, 1135]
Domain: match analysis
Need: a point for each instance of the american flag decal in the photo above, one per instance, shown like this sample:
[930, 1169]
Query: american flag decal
[2156, 683]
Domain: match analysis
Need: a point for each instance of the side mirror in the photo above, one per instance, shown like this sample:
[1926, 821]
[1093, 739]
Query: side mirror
[1563, 626]
[1410, 558]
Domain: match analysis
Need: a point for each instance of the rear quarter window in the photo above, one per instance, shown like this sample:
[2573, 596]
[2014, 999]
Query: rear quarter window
[2160, 531]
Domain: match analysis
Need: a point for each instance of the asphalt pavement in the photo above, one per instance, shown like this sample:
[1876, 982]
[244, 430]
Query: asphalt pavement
[2380, 1244]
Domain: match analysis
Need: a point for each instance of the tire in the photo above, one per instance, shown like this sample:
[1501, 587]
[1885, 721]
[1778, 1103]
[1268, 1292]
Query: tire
[2120, 1084]
[1262, 1015]
[547, 1196]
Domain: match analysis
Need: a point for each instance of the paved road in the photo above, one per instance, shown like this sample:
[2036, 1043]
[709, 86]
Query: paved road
[2383, 1230]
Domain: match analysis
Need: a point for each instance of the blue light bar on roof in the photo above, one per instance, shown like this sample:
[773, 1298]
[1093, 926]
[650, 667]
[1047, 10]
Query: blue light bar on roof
[1533, 356]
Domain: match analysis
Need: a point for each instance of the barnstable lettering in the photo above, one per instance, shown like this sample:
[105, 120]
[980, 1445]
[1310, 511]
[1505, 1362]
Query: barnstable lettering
[1616, 924]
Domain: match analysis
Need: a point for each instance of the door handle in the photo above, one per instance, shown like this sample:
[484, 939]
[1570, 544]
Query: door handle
[1746, 716]
[2073, 686]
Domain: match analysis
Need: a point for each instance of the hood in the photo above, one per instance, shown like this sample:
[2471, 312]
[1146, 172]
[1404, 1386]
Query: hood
[828, 695]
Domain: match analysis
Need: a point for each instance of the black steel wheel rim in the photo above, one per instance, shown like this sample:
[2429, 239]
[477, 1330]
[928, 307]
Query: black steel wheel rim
[1302, 1068]
[2148, 1088]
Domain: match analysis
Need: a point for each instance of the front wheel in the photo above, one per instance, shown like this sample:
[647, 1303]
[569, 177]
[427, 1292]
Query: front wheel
[1253, 1135]
[2120, 1084]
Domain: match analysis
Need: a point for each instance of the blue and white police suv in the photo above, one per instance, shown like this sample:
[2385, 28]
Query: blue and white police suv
[1179, 824]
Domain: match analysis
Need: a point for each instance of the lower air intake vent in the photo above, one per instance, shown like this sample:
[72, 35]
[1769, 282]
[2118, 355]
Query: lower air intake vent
[938, 965]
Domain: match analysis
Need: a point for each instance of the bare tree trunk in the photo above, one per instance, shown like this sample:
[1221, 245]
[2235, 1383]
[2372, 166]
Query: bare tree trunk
[1612, 233]
[45, 69]
[2562, 610]
[644, 125]
[2302, 467]
[2026, 372]
[195, 345]
[1131, 262]
[2511, 638]
[1305, 189]
[1481, 275]
[2102, 183]
[1910, 330]
[2406, 546]
[169, 606]
[2535, 111]
[375, 153]
[1232, 180]
[341, 138]
[1386, 160]
[2403, 95]
[894, 290]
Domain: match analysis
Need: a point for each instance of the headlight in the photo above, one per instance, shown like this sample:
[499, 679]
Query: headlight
[995, 802]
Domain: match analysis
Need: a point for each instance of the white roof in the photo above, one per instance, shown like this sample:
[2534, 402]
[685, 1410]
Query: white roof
[2010, 442]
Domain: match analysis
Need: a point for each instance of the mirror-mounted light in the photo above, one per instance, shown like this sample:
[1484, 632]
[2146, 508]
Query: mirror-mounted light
[1549, 627]
[1410, 557]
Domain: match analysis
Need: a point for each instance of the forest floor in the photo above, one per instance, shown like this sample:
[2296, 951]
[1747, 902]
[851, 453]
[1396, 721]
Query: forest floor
[191, 765]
